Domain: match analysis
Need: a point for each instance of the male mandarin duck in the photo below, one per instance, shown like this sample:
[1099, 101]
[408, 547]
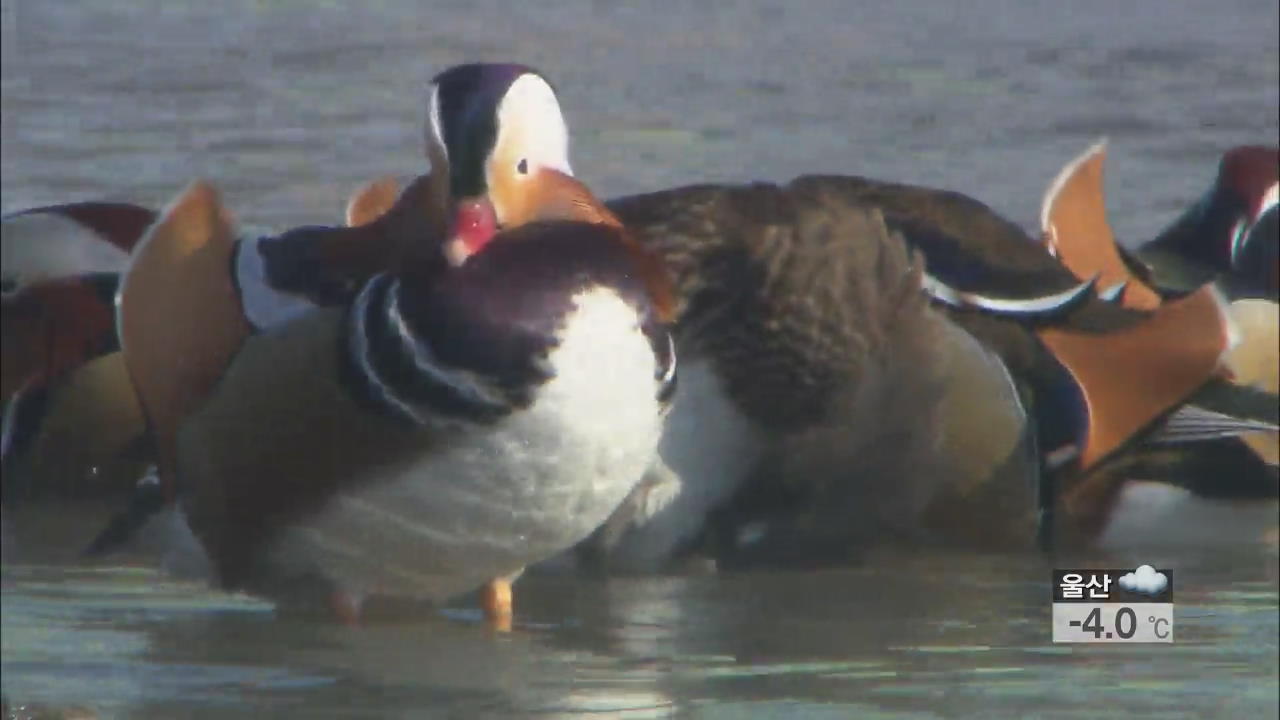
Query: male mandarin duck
[183, 316]
[1231, 234]
[70, 419]
[69, 408]
[62, 272]
[490, 374]
[64, 319]
[53, 326]
[72, 423]
[498, 144]
[443, 430]
[1229, 223]
[60, 275]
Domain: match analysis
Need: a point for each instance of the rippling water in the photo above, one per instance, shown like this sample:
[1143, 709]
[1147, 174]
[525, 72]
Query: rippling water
[289, 105]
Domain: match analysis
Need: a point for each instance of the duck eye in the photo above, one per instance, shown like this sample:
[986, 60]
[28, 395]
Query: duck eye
[522, 167]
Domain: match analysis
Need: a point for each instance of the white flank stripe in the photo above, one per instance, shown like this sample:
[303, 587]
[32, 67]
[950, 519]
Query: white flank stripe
[1029, 306]
[1192, 422]
[1114, 292]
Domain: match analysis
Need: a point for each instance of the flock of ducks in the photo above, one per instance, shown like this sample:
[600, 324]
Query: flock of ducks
[492, 369]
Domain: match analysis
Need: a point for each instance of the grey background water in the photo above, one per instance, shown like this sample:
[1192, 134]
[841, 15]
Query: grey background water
[288, 105]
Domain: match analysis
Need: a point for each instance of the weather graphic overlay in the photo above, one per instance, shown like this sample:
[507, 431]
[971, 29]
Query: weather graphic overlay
[1110, 606]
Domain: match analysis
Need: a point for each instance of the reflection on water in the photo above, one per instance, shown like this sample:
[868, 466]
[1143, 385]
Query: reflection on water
[288, 106]
[902, 636]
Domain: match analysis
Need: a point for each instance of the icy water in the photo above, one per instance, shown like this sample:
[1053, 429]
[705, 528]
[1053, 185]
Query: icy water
[289, 105]
[904, 637]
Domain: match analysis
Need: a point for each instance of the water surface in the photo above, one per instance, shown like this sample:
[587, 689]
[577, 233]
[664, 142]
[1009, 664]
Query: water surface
[904, 636]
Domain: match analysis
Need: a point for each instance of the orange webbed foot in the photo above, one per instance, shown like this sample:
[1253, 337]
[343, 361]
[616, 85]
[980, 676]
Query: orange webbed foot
[495, 600]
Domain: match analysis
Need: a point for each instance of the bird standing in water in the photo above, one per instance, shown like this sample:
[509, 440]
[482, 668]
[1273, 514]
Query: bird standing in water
[433, 324]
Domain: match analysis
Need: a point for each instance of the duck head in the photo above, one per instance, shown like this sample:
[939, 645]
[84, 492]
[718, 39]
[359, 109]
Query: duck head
[499, 151]
[1252, 176]
[498, 147]
[1217, 230]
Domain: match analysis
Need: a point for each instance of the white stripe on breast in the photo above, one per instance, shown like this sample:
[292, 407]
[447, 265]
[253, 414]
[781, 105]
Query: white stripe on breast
[465, 383]
[708, 448]
[363, 358]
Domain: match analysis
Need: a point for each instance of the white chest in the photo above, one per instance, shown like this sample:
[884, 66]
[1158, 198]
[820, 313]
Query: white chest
[708, 448]
[492, 499]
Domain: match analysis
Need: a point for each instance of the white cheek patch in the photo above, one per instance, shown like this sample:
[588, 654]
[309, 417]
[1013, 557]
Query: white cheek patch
[531, 125]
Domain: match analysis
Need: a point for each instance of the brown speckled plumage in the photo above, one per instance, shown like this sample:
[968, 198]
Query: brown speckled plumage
[777, 282]
[815, 321]
[812, 314]
[776, 289]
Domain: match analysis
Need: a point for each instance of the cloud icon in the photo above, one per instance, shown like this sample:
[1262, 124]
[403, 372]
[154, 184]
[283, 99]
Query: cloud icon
[1144, 580]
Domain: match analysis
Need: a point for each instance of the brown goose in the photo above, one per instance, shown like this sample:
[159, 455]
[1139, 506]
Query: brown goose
[753, 266]
[855, 393]
[823, 402]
